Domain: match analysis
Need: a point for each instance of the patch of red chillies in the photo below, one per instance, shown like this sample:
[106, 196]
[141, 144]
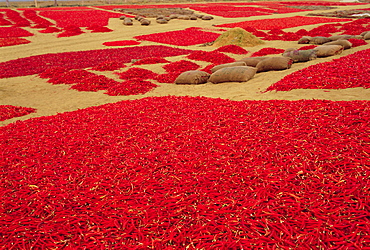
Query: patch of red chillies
[16, 18]
[131, 87]
[180, 66]
[108, 66]
[189, 172]
[70, 31]
[187, 37]
[35, 18]
[346, 72]
[267, 51]
[6, 32]
[234, 49]
[10, 111]
[50, 30]
[94, 83]
[70, 77]
[167, 77]
[121, 43]
[151, 60]
[215, 57]
[11, 41]
[101, 29]
[80, 18]
[83, 59]
[357, 42]
[133, 73]
[283, 23]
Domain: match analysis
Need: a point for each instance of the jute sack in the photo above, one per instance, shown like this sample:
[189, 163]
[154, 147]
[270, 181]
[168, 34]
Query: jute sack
[215, 68]
[144, 22]
[363, 33]
[127, 21]
[328, 50]
[300, 55]
[339, 37]
[274, 63]
[252, 61]
[233, 74]
[367, 36]
[192, 77]
[345, 43]
[304, 40]
[319, 40]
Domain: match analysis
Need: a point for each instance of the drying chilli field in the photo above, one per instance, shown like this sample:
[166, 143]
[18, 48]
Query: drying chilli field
[100, 149]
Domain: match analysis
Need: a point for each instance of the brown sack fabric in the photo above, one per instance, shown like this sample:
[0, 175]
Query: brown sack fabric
[367, 36]
[304, 40]
[252, 61]
[215, 68]
[345, 43]
[192, 77]
[328, 50]
[233, 74]
[274, 63]
[339, 37]
[127, 21]
[319, 40]
[300, 55]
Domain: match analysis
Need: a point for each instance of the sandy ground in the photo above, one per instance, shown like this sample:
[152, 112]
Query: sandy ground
[48, 99]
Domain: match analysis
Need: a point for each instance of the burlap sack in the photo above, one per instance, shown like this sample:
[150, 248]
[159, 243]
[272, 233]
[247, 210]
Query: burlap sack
[173, 16]
[161, 21]
[215, 68]
[192, 77]
[328, 50]
[304, 40]
[145, 22]
[207, 17]
[233, 74]
[300, 55]
[319, 40]
[367, 36]
[127, 21]
[345, 43]
[363, 33]
[274, 63]
[252, 61]
[183, 17]
[339, 37]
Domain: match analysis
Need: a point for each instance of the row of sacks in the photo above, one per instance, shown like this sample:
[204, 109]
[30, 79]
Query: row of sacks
[245, 69]
[318, 40]
[240, 71]
[161, 19]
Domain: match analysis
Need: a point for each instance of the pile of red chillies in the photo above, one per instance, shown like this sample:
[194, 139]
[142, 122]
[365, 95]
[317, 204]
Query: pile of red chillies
[189, 173]
[10, 111]
[346, 72]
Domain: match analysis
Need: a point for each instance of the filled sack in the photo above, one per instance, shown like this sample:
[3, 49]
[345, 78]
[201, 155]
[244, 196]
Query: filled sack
[328, 50]
[339, 37]
[233, 74]
[127, 21]
[367, 35]
[345, 43]
[252, 61]
[319, 40]
[215, 68]
[304, 40]
[300, 55]
[274, 63]
[192, 77]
